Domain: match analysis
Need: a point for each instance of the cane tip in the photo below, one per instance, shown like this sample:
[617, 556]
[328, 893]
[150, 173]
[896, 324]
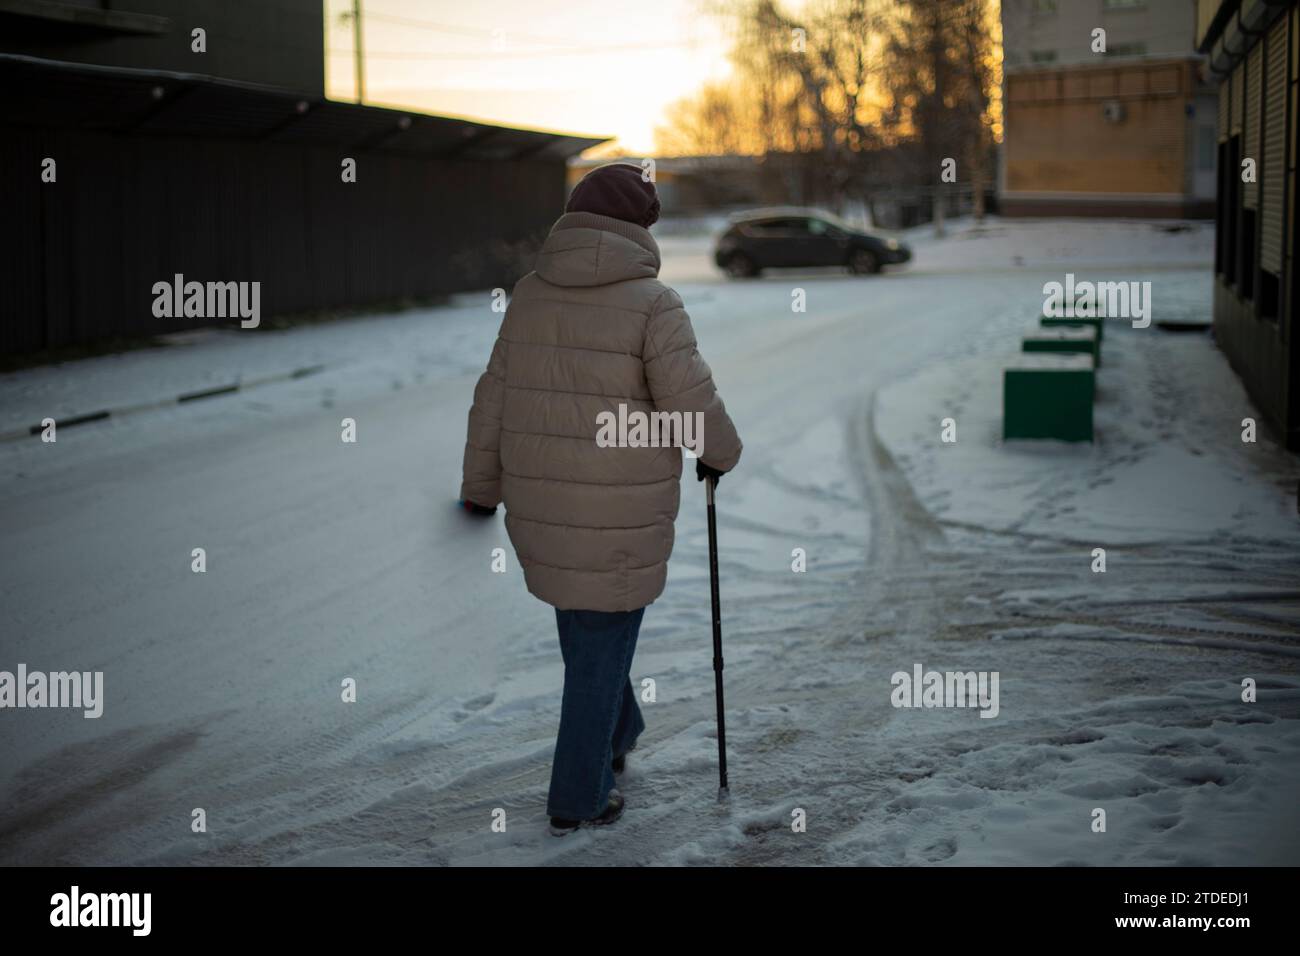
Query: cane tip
[724, 795]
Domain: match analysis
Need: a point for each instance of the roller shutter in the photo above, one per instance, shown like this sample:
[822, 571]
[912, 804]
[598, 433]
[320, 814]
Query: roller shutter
[1250, 135]
[1237, 82]
[1273, 187]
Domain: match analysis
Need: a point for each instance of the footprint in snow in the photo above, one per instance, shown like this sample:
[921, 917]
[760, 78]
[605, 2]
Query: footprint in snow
[472, 705]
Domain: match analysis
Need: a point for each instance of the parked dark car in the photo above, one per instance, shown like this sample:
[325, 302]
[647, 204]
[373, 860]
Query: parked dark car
[797, 238]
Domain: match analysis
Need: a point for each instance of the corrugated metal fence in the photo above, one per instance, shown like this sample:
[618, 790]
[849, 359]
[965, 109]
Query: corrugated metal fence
[79, 257]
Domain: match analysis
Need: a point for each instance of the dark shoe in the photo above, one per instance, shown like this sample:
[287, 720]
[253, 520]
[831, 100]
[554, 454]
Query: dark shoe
[613, 810]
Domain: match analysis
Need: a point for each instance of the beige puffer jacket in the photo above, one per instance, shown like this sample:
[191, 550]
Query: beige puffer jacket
[590, 328]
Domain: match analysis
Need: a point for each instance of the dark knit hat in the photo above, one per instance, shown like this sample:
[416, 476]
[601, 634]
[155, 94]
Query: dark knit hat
[617, 190]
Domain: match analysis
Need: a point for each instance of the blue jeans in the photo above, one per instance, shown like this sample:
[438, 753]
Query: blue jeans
[599, 717]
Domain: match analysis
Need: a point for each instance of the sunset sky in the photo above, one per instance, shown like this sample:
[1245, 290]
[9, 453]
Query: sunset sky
[603, 67]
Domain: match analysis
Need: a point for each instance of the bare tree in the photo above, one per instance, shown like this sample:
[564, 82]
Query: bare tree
[850, 92]
[942, 71]
[719, 120]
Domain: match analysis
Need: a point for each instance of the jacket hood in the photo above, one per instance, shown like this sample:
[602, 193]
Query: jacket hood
[587, 249]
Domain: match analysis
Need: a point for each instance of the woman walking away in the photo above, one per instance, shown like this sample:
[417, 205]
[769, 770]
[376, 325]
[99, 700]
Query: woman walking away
[590, 330]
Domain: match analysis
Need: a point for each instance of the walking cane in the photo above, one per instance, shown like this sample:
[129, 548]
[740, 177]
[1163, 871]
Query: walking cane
[709, 485]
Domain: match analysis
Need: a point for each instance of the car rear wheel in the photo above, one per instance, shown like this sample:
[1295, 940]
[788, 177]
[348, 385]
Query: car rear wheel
[863, 262]
[740, 266]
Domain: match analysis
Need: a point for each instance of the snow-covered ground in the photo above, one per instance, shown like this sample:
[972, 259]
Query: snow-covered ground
[1118, 691]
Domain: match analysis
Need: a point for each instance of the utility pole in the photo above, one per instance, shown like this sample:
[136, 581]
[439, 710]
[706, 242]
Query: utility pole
[356, 43]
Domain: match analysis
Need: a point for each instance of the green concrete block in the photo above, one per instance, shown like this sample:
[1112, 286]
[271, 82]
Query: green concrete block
[1081, 338]
[1048, 395]
[1050, 322]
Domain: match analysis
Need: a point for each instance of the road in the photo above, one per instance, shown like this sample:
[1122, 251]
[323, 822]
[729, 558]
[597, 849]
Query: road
[328, 561]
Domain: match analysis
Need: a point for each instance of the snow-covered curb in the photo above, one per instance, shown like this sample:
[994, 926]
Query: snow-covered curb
[1168, 462]
[118, 411]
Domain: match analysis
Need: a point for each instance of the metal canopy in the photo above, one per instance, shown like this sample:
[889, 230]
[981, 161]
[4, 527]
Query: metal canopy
[42, 92]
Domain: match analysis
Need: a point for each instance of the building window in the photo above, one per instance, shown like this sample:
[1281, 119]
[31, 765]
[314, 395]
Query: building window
[1269, 288]
[1042, 56]
[1246, 250]
[1127, 49]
